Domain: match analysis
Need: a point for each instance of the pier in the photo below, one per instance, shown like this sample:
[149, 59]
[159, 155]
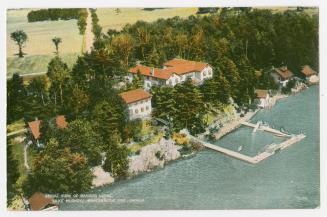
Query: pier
[271, 150]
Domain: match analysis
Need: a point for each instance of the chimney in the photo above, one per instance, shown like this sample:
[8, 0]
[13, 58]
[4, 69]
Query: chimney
[152, 71]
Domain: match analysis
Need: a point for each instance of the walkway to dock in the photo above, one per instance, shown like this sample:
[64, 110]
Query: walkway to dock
[265, 128]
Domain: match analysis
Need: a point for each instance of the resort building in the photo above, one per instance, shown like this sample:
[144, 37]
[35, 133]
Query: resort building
[310, 74]
[282, 75]
[138, 102]
[35, 126]
[173, 72]
[263, 97]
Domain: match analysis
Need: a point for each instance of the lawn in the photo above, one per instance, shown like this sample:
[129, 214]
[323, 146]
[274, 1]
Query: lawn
[109, 19]
[35, 63]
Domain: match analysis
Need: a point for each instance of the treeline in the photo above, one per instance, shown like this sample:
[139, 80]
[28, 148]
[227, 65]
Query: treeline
[265, 38]
[80, 14]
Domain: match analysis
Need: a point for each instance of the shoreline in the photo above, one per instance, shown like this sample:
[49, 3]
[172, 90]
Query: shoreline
[228, 127]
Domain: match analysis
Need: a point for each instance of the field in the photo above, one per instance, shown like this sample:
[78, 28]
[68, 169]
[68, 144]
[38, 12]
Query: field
[109, 19]
[40, 34]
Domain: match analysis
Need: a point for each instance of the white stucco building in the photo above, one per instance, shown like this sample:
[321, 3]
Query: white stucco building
[138, 102]
[173, 72]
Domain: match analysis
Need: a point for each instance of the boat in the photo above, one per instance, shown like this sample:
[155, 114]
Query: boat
[240, 148]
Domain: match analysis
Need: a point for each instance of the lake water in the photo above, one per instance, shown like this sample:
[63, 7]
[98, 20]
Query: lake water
[210, 180]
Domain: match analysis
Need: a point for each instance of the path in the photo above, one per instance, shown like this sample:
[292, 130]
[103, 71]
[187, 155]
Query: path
[25, 157]
[89, 37]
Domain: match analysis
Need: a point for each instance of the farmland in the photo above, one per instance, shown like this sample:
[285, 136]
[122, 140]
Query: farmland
[109, 19]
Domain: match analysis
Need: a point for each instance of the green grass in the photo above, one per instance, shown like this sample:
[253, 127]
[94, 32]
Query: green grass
[18, 150]
[108, 18]
[40, 34]
[35, 64]
[17, 125]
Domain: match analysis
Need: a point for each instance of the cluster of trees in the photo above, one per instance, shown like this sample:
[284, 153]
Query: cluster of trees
[182, 105]
[97, 116]
[79, 14]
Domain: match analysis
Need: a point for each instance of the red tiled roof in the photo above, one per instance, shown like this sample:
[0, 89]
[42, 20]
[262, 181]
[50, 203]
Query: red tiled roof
[261, 93]
[284, 72]
[308, 71]
[146, 70]
[35, 128]
[135, 95]
[35, 125]
[39, 201]
[177, 66]
[61, 122]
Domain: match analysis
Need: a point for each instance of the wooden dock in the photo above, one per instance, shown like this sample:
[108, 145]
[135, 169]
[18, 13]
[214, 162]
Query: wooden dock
[256, 159]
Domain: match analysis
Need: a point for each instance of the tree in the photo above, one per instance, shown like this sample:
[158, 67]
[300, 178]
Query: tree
[110, 118]
[80, 137]
[57, 170]
[116, 161]
[133, 130]
[79, 100]
[58, 74]
[12, 173]
[187, 115]
[123, 46]
[20, 37]
[16, 93]
[56, 41]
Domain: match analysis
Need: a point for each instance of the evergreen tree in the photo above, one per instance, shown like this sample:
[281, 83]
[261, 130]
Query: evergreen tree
[16, 93]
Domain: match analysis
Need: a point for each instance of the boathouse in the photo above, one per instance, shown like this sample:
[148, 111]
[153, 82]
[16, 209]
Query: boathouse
[310, 74]
[262, 97]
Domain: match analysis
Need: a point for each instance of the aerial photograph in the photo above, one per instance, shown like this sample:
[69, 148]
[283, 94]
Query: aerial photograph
[163, 108]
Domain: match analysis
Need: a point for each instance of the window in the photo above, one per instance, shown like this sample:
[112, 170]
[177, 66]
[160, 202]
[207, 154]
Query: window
[176, 80]
[204, 73]
[142, 109]
[170, 83]
[136, 111]
[147, 108]
[131, 112]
